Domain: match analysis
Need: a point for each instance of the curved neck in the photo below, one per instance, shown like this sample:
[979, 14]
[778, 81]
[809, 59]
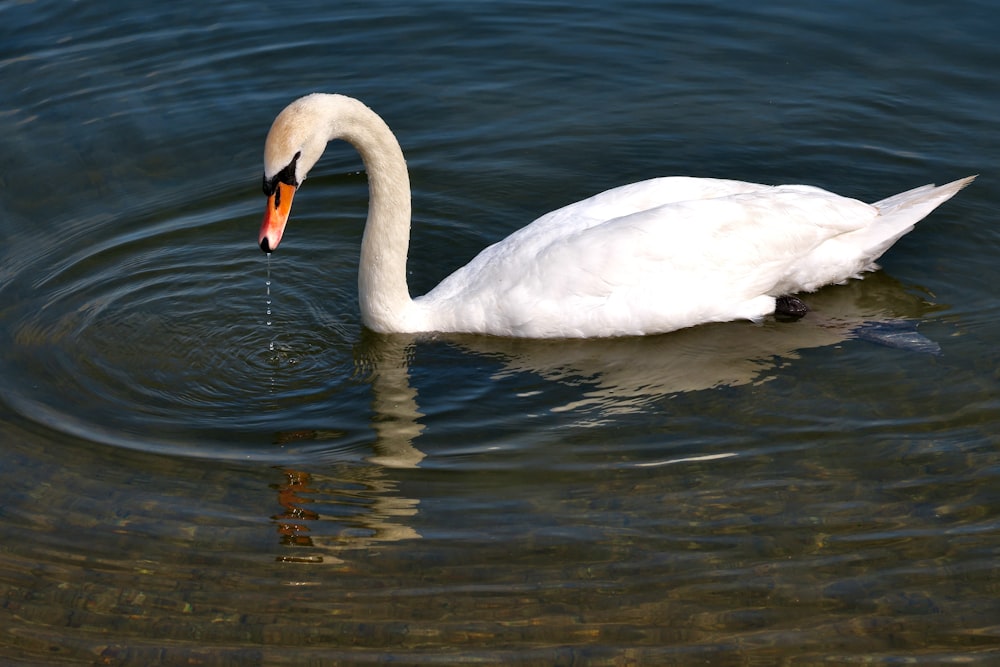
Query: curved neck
[382, 291]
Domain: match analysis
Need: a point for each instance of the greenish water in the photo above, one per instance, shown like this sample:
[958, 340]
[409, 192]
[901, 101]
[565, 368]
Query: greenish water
[174, 491]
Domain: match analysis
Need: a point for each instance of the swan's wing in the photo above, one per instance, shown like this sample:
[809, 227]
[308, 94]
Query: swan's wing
[632, 198]
[603, 209]
[657, 269]
[687, 262]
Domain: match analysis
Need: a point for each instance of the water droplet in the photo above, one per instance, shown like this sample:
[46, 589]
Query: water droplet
[267, 301]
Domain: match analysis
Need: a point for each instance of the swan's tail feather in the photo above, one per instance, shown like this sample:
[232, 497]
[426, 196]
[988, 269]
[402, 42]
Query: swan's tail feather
[899, 213]
[926, 197]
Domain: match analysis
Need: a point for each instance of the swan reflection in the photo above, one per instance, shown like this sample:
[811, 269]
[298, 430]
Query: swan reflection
[626, 375]
[362, 505]
[615, 377]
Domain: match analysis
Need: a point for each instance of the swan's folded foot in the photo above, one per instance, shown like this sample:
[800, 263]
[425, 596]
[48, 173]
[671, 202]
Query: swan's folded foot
[789, 308]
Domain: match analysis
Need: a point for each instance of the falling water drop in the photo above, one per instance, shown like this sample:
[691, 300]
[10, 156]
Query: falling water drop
[267, 299]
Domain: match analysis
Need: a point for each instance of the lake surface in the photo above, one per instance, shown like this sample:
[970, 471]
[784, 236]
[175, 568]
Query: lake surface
[173, 491]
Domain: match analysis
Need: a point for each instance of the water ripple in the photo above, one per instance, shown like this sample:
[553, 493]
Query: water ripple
[160, 331]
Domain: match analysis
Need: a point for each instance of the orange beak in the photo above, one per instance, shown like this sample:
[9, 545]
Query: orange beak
[279, 205]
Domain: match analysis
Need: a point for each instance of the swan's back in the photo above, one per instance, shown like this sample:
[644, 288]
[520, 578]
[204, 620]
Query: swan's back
[630, 199]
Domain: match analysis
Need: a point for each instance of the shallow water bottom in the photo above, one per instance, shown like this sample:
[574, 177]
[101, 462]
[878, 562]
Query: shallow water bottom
[796, 552]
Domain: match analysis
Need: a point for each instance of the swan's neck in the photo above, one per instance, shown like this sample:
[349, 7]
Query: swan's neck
[382, 291]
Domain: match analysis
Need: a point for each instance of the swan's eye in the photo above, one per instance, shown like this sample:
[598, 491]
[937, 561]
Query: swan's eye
[286, 175]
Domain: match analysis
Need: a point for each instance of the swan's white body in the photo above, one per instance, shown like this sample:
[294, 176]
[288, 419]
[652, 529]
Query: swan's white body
[644, 258]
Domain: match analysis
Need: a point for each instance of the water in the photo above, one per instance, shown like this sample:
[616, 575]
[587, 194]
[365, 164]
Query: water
[175, 491]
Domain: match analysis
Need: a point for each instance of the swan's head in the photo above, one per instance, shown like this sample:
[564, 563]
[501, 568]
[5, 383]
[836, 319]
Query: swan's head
[295, 143]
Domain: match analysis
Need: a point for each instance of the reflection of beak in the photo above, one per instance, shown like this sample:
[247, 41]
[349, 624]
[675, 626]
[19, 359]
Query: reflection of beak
[279, 205]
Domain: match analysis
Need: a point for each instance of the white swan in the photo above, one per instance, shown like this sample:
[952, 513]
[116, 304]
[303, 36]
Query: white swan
[644, 258]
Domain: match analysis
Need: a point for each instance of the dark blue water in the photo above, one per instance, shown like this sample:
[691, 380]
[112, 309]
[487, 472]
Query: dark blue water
[175, 491]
